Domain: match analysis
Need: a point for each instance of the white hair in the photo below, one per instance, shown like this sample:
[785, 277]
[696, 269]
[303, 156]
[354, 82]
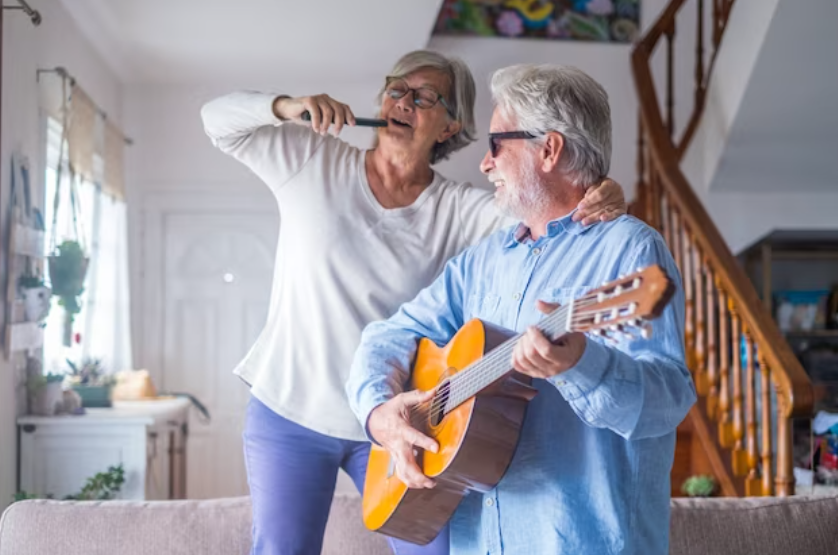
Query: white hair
[552, 98]
[460, 97]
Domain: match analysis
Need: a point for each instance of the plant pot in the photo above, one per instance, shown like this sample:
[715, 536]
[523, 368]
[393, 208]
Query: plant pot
[94, 396]
[36, 303]
[48, 400]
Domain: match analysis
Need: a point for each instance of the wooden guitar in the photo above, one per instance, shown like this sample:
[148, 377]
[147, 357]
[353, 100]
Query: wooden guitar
[480, 402]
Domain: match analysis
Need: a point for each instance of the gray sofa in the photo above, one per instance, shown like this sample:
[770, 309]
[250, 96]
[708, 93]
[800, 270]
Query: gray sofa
[759, 526]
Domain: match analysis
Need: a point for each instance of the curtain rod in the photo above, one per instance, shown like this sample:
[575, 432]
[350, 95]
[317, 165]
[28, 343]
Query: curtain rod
[64, 74]
[34, 15]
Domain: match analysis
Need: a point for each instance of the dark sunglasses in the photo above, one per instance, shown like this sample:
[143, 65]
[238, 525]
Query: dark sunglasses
[496, 138]
[423, 97]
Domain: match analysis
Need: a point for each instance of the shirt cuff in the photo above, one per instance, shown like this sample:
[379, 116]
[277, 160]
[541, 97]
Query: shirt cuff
[369, 404]
[582, 378]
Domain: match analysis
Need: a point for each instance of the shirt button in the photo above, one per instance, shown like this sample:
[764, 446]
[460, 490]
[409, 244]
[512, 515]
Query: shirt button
[516, 296]
[536, 251]
[490, 502]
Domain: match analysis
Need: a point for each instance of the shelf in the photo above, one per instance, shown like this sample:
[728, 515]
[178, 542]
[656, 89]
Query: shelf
[812, 333]
[28, 241]
[26, 336]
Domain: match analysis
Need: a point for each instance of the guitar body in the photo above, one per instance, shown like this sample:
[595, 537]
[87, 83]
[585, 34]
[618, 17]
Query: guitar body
[477, 440]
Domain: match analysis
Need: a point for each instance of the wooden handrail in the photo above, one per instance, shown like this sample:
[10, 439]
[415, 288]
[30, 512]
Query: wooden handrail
[667, 201]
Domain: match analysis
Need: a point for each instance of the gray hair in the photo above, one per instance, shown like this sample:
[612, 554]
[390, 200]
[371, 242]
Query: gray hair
[460, 98]
[562, 99]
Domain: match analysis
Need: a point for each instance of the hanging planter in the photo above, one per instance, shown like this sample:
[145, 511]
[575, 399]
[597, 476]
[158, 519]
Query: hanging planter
[67, 270]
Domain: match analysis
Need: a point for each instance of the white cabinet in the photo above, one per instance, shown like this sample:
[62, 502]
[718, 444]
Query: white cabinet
[59, 453]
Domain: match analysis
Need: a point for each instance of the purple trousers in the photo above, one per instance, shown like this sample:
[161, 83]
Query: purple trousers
[292, 473]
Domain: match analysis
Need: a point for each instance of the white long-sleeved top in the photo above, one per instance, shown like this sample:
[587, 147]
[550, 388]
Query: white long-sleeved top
[342, 259]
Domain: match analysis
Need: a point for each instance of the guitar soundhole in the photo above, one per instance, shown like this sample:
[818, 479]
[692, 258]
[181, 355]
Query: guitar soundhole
[439, 403]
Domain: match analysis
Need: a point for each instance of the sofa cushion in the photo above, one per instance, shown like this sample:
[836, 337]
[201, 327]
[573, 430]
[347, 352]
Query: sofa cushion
[756, 525]
[162, 528]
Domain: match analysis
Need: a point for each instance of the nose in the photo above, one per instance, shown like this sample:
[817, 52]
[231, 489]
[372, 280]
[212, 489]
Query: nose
[406, 102]
[488, 163]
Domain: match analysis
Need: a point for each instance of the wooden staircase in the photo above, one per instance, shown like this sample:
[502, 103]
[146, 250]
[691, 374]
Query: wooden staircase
[750, 385]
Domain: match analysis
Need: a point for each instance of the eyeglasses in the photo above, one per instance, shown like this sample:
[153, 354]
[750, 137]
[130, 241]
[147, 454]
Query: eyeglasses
[423, 97]
[496, 138]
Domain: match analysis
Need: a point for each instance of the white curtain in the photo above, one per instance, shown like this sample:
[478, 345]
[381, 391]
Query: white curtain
[107, 324]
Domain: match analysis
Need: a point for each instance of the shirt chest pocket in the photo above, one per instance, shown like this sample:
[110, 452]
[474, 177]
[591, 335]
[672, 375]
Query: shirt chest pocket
[485, 306]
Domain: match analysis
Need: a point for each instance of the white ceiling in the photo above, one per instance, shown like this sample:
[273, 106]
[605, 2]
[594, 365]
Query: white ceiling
[785, 135]
[191, 41]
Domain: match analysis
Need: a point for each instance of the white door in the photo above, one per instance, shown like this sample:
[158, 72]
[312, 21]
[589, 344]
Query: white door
[204, 287]
[217, 271]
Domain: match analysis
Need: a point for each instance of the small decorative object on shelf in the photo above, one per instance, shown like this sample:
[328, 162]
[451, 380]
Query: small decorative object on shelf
[36, 297]
[801, 310]
[700, 486]
[46, 397]
[91, 383]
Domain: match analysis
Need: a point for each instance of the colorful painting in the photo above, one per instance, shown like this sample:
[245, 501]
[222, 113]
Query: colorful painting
[591, 20]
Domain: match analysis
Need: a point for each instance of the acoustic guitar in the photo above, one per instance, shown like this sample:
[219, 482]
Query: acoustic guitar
[479, 404]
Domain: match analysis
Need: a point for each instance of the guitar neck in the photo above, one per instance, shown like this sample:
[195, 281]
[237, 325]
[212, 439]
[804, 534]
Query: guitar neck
[479, 375]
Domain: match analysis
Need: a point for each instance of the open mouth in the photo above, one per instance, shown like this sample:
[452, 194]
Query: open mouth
[400, 123]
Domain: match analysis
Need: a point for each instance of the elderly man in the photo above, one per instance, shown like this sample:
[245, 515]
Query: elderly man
[591, 471]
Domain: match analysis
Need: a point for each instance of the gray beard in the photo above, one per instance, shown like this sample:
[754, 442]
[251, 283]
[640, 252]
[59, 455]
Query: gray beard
[529, 200]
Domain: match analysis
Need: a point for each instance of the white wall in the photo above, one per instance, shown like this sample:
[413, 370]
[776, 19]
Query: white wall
[743, 217]
[747, 28]
[25, 49]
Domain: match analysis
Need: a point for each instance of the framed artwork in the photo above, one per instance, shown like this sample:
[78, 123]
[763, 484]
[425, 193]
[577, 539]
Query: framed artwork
[586, 20]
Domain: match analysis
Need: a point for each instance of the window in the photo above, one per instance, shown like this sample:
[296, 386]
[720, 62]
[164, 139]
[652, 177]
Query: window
[102, 329]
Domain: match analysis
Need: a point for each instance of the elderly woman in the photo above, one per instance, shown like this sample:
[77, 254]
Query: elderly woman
[362, 231]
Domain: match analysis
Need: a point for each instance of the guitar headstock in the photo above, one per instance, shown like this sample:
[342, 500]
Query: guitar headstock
[625, 304]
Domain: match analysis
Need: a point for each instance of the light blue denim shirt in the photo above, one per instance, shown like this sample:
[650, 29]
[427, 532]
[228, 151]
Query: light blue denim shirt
[590, 475]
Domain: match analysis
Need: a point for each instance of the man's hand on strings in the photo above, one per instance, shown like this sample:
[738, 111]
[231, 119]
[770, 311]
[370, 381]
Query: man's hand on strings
[538, 357]
[389, 425]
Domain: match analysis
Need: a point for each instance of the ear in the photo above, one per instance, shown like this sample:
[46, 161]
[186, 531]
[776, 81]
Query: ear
[551, 152]
[450, 130]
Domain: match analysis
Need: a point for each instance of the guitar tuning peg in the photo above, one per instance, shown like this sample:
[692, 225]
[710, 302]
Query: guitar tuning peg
[633, 308]
[646, 331]
[636, 283]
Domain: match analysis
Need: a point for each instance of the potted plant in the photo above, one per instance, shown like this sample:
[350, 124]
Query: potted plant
[67, 270]
[91, 383]
[700, 486]
[46, 396]
[36, 297]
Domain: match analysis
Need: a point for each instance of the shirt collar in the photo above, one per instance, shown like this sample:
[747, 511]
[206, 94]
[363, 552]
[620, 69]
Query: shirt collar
[520, 233]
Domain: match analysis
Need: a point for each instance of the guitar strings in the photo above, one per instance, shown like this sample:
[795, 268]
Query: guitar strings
[495, 364]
